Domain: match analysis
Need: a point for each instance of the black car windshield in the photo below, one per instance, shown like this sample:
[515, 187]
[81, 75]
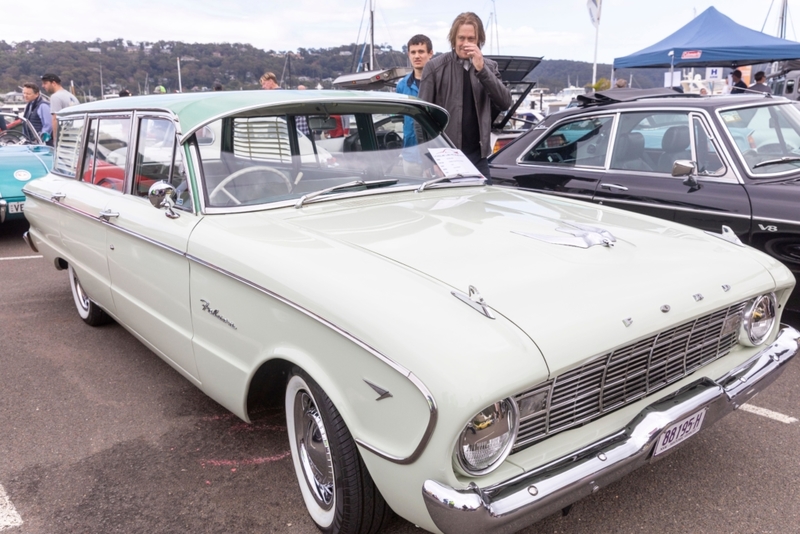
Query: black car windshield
[767, 138]
[259, 159]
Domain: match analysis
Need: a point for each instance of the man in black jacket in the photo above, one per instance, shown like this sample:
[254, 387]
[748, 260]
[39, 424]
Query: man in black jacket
[469, 87]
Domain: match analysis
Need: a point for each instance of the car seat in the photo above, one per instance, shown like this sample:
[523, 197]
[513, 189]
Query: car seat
[675, 145]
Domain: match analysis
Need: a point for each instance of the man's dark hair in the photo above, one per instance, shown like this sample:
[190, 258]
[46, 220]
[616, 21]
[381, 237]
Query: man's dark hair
[32, 86]
[473, 20]
[760, 76]
[737, 74]
[217, 86]
[124, 92]
[50, 77]
[420, 39]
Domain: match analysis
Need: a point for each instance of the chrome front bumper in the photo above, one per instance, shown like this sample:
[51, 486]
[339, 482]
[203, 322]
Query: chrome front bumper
[530, 497]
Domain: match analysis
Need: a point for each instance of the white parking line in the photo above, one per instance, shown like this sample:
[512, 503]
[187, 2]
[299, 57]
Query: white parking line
[768, 413]
[20, 258]
[9, 517]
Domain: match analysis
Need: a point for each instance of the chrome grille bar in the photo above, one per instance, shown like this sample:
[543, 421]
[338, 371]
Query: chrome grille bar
[616, 379]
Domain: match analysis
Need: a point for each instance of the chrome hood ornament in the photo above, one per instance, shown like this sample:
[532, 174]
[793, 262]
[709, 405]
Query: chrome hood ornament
[475, 300]
[728, 235]
[583, 236]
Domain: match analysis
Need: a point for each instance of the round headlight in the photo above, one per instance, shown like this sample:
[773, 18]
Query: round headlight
[487, 438]
[758, 320]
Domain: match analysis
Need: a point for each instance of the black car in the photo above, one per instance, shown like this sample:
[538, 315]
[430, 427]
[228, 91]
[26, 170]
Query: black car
[702, 161]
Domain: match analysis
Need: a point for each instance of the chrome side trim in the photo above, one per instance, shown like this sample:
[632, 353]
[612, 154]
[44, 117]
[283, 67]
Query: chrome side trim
[523, 500]
[388, 361]
[606, 200]
[3, 208]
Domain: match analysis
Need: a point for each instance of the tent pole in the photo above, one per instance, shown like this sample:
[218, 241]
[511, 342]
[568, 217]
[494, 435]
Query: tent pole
[594, 67]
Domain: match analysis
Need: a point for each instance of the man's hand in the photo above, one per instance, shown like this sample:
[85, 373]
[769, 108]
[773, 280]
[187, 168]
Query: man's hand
[475, 55]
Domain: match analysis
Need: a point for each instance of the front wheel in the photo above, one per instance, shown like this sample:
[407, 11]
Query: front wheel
[338, 492]
[90, 312]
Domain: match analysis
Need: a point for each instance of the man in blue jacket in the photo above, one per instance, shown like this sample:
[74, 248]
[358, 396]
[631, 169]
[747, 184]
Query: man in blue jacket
[420, 50]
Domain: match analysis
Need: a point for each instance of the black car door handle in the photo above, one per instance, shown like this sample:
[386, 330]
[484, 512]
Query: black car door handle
[614, 186]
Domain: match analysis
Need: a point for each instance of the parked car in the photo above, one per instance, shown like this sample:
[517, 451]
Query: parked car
[23, 157]
[701, 161]
[413, 377]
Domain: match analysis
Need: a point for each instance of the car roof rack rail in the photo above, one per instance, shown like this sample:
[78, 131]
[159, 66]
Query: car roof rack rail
[612, 96]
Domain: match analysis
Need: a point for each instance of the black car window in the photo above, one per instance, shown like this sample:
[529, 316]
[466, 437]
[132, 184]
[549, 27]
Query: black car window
[708, 160]
[578, 143]
[651, 141]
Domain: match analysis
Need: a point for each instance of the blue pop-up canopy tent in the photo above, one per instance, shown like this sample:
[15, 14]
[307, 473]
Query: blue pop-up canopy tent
[711, 39]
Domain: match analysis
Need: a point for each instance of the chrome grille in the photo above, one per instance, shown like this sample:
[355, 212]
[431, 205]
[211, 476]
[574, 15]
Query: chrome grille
[627, 374]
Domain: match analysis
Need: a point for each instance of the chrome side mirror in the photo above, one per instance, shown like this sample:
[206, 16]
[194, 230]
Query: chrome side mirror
[163, 195]
[682, 167]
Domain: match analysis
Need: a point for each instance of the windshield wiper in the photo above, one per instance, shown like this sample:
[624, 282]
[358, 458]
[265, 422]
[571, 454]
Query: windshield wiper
[785, 159]
[346, 185]
[424, 185]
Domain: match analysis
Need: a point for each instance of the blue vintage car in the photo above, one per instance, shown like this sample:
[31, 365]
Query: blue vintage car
[23, 157]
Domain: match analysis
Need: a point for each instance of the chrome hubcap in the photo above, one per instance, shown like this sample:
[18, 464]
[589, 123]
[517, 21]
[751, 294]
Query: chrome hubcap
[82, 298]
[314, 450]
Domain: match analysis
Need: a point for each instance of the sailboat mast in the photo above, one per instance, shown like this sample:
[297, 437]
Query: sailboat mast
[372, 35]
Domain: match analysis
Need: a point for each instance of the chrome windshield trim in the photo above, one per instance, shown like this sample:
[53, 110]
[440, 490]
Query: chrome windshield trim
[337, 196]
[426, 393]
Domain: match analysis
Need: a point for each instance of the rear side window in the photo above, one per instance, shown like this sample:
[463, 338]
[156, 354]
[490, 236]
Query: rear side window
[68, 146]
[106, 152]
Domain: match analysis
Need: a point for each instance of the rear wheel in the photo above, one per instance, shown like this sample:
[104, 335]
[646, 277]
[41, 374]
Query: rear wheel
[785, 249]
[338, 491]
[87, 309]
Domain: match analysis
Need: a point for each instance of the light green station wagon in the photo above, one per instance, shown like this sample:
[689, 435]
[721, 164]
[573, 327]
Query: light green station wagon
[473, 358]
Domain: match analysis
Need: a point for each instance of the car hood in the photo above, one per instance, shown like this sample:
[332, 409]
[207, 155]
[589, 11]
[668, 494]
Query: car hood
[20, 164]
[518, 250]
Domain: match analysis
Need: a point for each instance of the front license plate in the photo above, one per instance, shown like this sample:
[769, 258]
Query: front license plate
[16, 207]
[679, 432]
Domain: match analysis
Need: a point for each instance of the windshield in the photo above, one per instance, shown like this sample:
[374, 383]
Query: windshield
[767, 138]
[263, 158]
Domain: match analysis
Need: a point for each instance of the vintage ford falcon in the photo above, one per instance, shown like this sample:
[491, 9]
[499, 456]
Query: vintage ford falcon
[358, 281]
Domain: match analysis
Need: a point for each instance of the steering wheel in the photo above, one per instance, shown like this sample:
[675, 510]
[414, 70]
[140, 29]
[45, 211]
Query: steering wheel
[392, 140]
[556, 157]
[12, 137]
[750, 153]
[241, 172]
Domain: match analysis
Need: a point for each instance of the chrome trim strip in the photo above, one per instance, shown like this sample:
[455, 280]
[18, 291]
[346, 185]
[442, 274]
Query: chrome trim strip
[757, 219]
[675, 208]
[391, 363]
[523, 500]
[3, 208]
[432, 407]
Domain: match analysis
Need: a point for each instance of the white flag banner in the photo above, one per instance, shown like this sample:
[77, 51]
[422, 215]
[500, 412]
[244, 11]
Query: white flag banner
[594, 11]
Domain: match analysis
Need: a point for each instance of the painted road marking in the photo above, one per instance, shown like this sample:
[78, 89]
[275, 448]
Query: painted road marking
[768, 413]
[9, 517]
[20, 258]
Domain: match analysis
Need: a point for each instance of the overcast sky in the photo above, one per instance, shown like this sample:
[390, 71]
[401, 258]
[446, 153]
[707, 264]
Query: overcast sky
[555, 29]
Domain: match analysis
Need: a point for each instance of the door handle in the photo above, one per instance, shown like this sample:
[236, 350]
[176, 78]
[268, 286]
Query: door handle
[614, 186]
[58, 197]
[107, 215]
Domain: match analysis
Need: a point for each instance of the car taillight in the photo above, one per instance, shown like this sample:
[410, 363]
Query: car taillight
[500, 143]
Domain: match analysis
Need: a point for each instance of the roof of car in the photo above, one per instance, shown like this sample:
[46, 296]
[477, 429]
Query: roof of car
[647, 98]
[197, 109]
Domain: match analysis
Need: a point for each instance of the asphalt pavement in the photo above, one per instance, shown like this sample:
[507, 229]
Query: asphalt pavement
[98, 435]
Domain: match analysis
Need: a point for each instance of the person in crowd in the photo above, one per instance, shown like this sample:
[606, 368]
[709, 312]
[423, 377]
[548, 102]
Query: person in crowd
[3, 125]
[300, 120]
[37, 113]
[760, 86]
[124, 92]
[420, 51]
[217, 86]
[621, 83]
[60, 98]
[468, 86]
[739, 86]
[269, 81]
